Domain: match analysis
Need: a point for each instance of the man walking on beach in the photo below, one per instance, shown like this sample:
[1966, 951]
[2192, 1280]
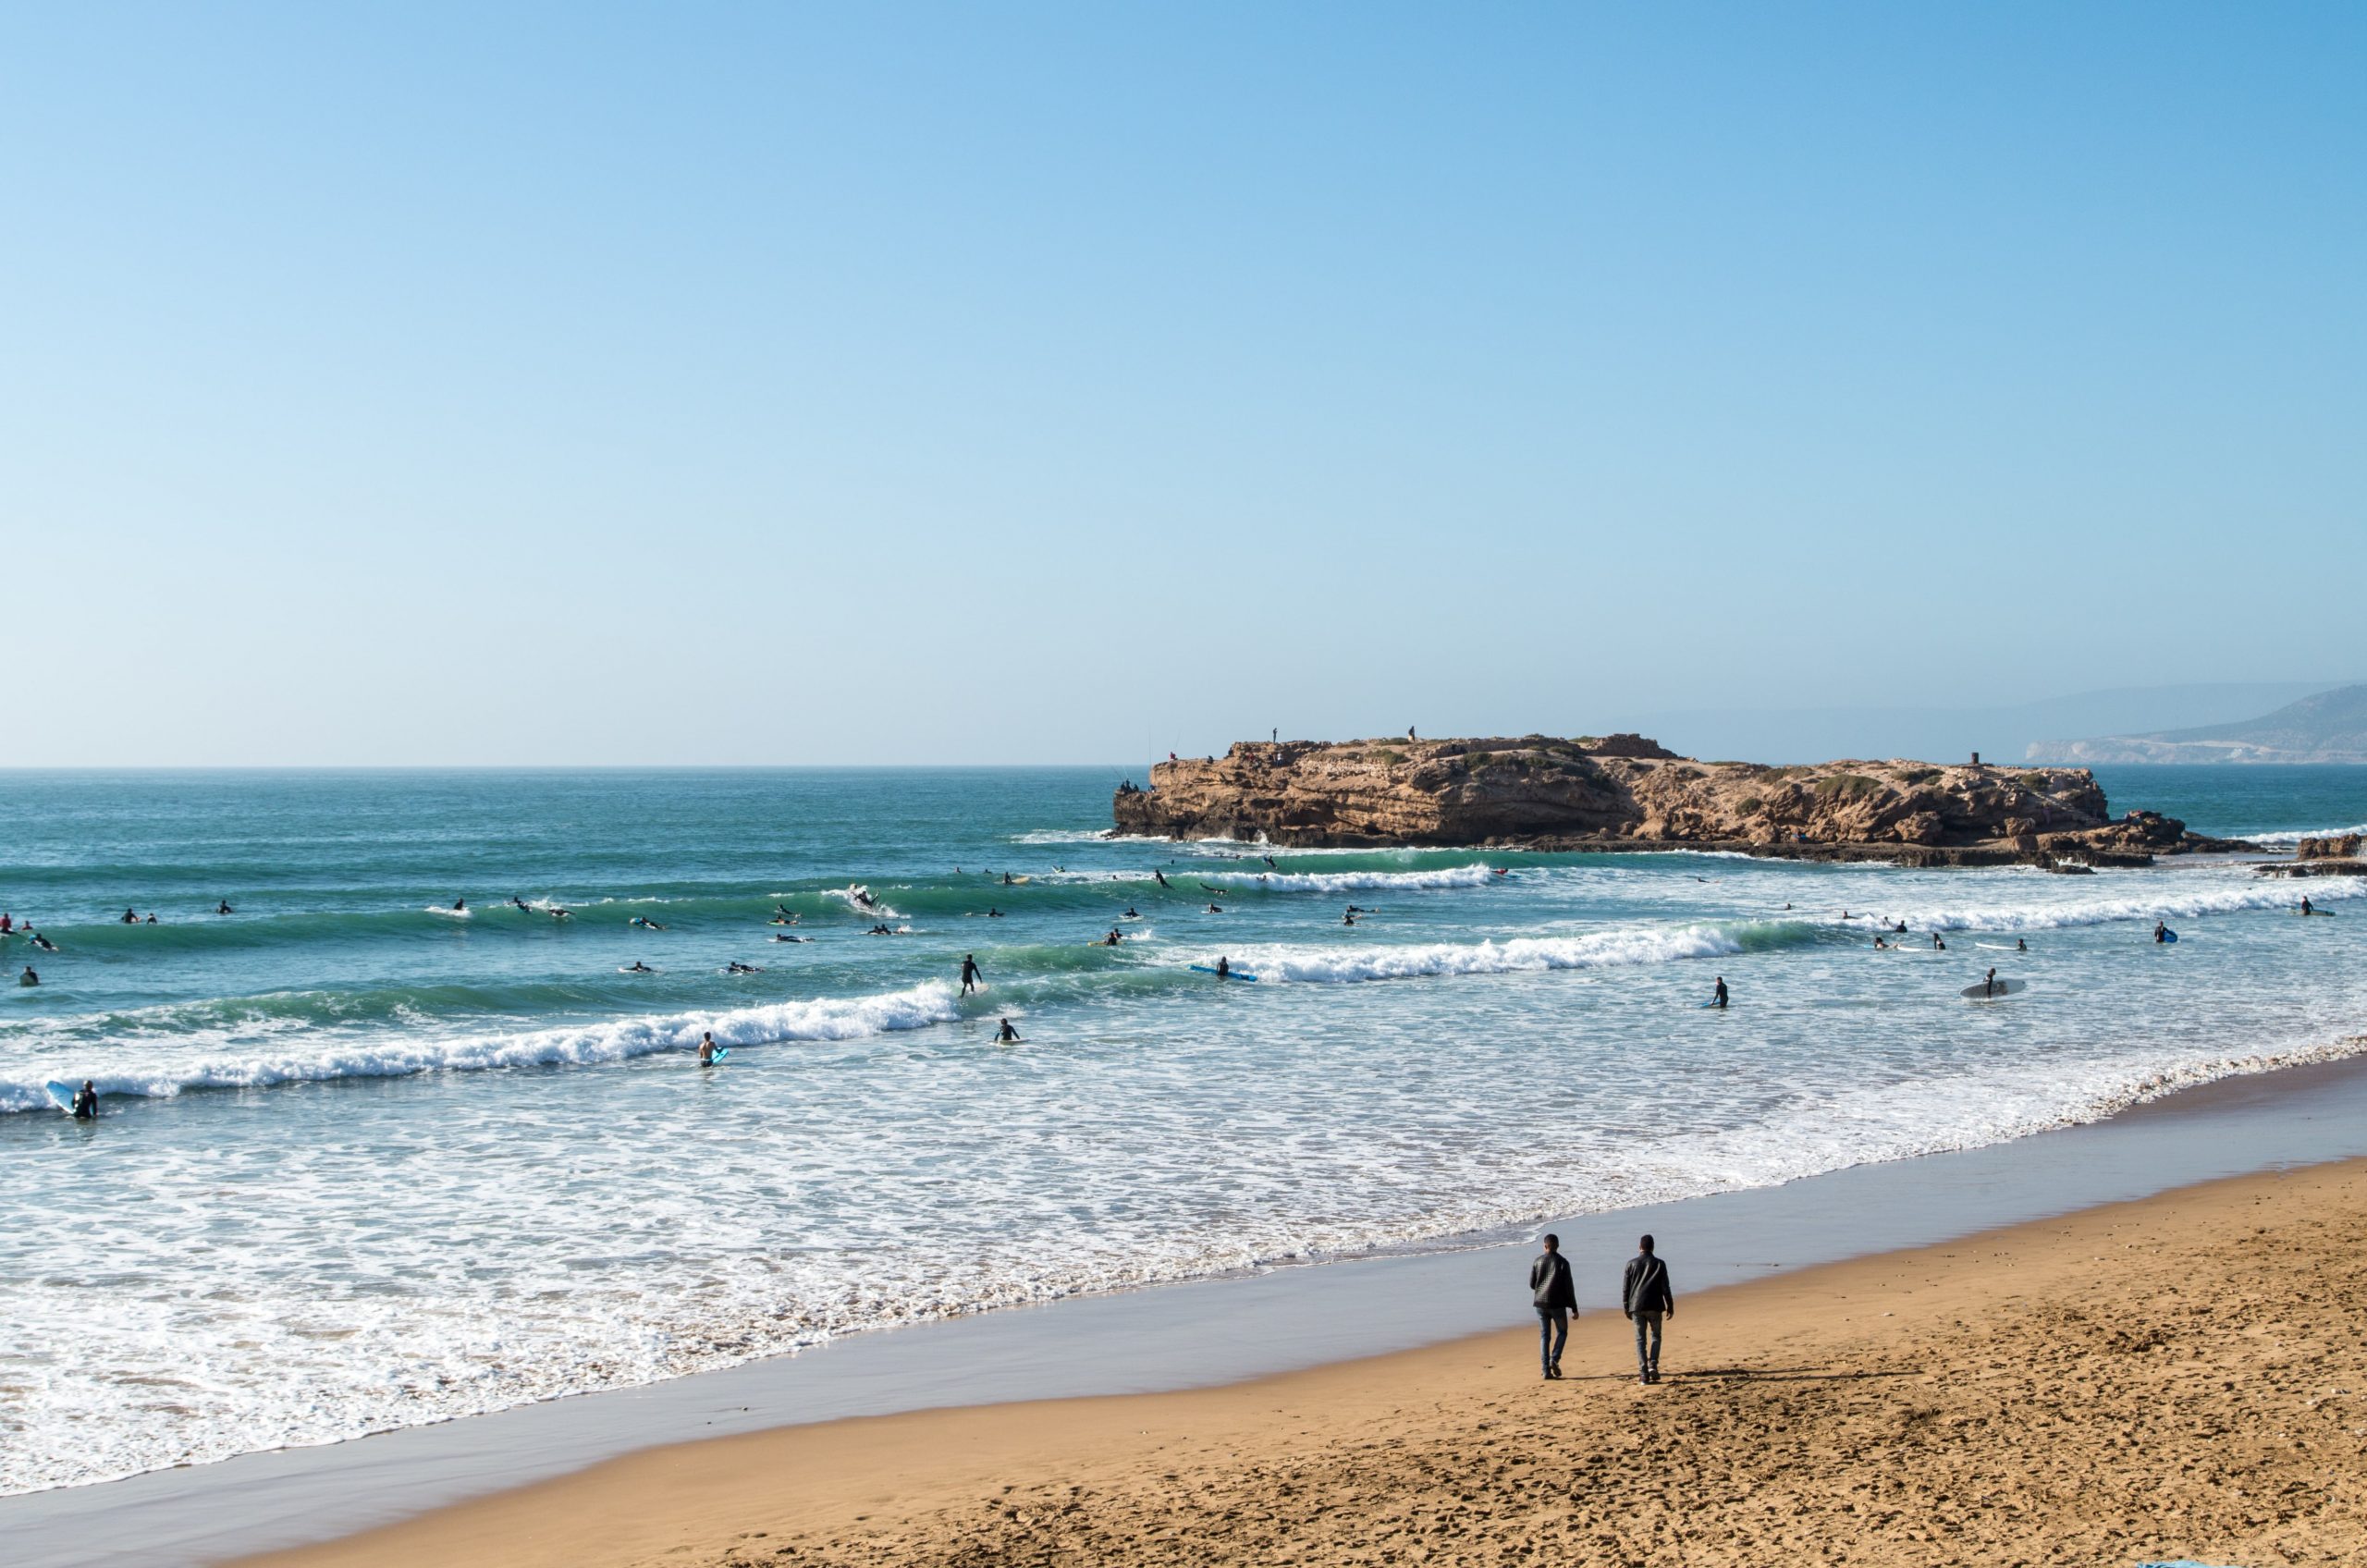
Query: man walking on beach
[1549, 1283]
[1644, 1296]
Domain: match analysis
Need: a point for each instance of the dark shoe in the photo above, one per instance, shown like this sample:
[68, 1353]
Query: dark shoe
[1555, 1370]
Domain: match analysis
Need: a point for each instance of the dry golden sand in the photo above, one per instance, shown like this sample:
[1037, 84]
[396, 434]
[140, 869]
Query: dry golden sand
[2180, 1377]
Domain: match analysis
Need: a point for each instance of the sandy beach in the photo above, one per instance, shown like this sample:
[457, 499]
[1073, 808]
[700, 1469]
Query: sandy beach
[2177, 1376]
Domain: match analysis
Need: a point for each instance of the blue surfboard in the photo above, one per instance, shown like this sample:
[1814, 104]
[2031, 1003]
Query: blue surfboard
[2169, 935]
[1234, 975]
[62, 1096]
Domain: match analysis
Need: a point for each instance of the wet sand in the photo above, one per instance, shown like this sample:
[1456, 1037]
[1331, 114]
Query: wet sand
[2176, 1376]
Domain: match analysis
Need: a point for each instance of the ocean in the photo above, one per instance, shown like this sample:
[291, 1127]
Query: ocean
[367, 1162]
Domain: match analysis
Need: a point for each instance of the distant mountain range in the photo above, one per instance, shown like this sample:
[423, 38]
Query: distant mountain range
[1936, 733]
[2329, 726]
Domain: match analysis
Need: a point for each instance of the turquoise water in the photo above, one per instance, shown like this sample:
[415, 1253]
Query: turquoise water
[367, 1162]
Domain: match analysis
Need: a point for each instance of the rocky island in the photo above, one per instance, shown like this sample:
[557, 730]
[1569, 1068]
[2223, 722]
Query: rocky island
[1624, 792]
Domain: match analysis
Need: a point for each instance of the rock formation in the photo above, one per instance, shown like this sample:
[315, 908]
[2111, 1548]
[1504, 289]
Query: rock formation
[1622, 791]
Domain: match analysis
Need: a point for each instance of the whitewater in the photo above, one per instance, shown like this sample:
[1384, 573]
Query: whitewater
[364, 1164]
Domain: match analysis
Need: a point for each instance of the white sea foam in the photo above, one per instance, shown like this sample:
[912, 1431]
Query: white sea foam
[2286, 838]
[1594, 951]
[2148, 896]
[176, 1068]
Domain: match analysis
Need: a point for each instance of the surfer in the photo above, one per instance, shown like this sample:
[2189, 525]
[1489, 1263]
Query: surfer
[460, 906]
[645, 923]
[1989, 982]
[1158, 876]
[29, 977]
[559, 913]
[970, 973]
[2305, 905]
[1879, 944]
[1110, 940]
[86, 1102]
[223, 908]
[1006, 880]
[1899, 929]
[707, 1049]
[151, 918]
[993, 914]
[517, 903]
[1006, 1035]
[1349, 918]
[2160, 932]
[130, 918]
[1718, 997]
[1937, 944]
[1225, 968]
[780, 938]
[1216, 909]
[1129, 914]
[2021, 946]
[43, 943]
[638, 967]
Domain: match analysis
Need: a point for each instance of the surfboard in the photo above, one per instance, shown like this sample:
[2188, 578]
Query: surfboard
[1234, 974]
[2003, 989]
[1711, 1003]
[62, 1096]
[720, 1053]
[2169, 935]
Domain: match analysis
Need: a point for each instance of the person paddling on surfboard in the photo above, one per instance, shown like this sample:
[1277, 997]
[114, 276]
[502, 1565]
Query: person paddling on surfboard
[86, 1102]
[1718, 997]
[637, 967]
[970, 973]
[1881, 944]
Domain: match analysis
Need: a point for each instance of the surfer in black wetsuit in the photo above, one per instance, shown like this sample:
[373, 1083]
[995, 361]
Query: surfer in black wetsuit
[2305, 905]
[1989, 982]
[1718, 997]
[1225, 968]
[1349, 918]
[130, 918]
[86, 1102]
[1937, 944]
[29, 977]
[1006, 880]
[43, 943]
[1899, 929]
[640, 968]
[1112, 940]
[2020, 945]
[460, 906]
[2160, 932]
[1006, 1035]
[223, 908]
[1881, 944]
[1160, 877]
[1129, 914]
[970, 973]
[1216, 909]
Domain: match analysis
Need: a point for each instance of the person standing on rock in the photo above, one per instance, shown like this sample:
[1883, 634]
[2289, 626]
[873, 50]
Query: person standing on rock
[971, 973]
[1645, 1297]
[1557, 1303]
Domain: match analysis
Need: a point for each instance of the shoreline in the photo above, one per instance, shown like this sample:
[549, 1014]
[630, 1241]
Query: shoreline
[1200, 1334]
[2029, 1406]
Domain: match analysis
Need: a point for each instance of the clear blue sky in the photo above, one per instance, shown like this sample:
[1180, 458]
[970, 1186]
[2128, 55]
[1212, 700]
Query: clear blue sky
[1008, 383]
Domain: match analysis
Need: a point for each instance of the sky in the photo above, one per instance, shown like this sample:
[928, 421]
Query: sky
[702, 384]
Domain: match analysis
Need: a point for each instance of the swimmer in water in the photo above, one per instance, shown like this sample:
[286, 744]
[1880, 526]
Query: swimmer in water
[707, 1050]
[2020, 946]
[637, 967]
[86, 1102]
[130, 918]
[223, 908]
[1007, 1035]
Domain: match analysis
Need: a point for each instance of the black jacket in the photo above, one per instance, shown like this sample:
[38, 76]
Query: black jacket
[1549, 1281]
[1645, 1286]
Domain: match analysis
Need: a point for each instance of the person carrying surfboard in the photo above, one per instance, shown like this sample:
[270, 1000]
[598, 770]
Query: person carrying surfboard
[707, 1049]
[1989, 982]
[970, 973]
[2161, 931]
[1718, 997]
[86, 1102]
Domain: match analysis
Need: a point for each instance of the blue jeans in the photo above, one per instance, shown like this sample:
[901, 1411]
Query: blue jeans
[1648, 1343]
[1553, 1333]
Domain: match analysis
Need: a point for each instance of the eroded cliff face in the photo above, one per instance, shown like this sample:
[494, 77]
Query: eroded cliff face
[1541, 791]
